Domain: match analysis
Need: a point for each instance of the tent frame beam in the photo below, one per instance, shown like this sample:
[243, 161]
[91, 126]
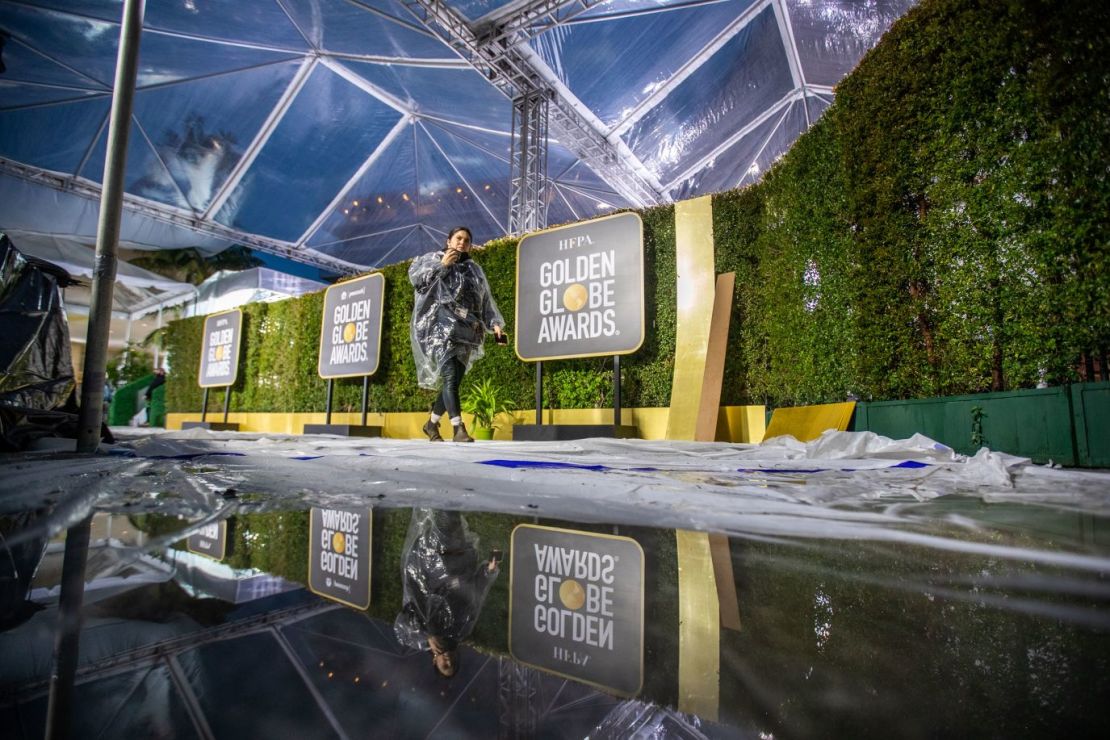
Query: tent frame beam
[177, 217]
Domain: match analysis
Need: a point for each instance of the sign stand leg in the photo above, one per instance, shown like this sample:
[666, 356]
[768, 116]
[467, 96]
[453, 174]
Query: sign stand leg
[204, 406]
[616, 392]
[227, 402]
[327, 404]
[365, 396]
[539, 393]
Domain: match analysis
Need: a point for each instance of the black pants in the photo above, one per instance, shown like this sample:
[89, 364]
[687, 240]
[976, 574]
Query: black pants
[448, 398]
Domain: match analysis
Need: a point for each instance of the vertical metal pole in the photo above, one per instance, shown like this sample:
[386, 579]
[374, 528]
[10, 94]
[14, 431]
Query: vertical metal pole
[157, 354]
[616, 392]
[107, 232]
[59, 705]
[539, 393]
[327, 405]
[227, 401]
[204, 406]
[365, 396]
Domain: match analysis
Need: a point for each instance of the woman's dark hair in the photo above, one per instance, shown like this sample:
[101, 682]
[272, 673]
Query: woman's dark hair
[457, 229]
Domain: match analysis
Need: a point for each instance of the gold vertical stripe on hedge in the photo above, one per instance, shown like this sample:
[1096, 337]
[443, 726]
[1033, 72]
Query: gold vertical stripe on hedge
[694, 275]
[699, 630]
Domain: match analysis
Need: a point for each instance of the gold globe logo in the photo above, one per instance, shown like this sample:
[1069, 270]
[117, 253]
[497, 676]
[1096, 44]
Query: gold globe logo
[220, 350]
[338, 542]
[572, 595]
[574, 297]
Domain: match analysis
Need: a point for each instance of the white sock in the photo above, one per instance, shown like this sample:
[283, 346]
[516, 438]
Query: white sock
[456, 420]
[435, 418]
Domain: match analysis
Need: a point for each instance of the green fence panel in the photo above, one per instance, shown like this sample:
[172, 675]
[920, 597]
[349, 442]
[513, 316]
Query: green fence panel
[1030, 423]
[1091, 409]
[125, 402]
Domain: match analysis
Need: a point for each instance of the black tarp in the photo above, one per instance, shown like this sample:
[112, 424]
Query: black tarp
[37, 383]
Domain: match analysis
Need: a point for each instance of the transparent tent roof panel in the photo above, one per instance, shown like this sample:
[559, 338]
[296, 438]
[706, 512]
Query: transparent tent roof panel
[341, 26]
[455, 94]
[87, 46]
[746, 76]
[171, 58]
[833, 35]
[24, 64]
[30, 135]
[384, 197]
[16, 95]
[145, 175]
[202, 127]
[727, 169]
[375, 250]
[330, 129]
[614, 65]
[452, 193]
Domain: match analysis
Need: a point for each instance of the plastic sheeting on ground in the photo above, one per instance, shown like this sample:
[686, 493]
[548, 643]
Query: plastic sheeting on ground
[844, 485]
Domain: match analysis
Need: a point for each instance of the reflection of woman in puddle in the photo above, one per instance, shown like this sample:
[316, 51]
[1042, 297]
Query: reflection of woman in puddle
[444, 585]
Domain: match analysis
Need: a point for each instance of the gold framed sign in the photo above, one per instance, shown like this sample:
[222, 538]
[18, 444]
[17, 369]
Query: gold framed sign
[580, 290]
[219, 355]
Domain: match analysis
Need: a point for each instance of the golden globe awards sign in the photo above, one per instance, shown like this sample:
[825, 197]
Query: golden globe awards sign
[580, 290]
[219, 357]
[577, 606]
[350, 338]
[339, 555]
[210, 540]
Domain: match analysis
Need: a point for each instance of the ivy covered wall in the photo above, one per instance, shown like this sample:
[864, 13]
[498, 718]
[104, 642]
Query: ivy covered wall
[943, 229]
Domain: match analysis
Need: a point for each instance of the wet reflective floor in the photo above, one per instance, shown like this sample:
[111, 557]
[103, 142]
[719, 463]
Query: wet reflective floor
[251, 586]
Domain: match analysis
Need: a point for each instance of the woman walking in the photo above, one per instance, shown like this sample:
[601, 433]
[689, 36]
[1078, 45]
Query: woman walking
[452, 313]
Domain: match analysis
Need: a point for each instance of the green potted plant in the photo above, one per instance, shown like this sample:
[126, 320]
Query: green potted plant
[485, 402]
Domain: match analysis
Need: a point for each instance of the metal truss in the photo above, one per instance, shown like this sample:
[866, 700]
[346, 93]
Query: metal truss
[514, 74]
[528, 163]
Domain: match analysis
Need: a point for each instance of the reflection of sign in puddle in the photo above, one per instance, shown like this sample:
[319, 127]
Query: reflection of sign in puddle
[577, 606]
[209, 541]
[339, 555]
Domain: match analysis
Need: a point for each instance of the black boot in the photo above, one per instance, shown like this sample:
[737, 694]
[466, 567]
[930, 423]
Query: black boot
[461, 435]
[432, 430]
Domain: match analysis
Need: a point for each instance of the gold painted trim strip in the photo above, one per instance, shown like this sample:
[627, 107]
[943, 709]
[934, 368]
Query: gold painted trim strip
[694, 271]
[699, 629]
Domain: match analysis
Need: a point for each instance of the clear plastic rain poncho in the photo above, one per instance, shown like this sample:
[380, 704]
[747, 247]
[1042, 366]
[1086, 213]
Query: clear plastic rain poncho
[453, 311]
[445, 583]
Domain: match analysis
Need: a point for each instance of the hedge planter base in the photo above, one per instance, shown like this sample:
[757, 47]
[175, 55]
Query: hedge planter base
[343, 430]
[215, 426]
[555, 432]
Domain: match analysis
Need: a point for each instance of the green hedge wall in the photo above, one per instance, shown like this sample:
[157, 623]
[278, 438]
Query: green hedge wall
[943, 229]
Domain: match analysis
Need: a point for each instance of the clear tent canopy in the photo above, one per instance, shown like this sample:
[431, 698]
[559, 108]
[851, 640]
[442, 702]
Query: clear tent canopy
[353, 133]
